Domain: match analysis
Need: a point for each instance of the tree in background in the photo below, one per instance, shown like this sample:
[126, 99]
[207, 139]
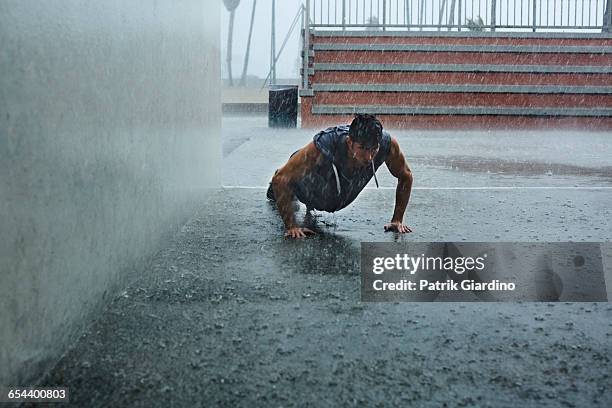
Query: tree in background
[230, 5]
[475, 24]
[373, 24]
[606, 17]
[248, 49]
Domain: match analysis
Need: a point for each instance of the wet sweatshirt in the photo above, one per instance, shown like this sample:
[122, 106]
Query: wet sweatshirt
[328, 187]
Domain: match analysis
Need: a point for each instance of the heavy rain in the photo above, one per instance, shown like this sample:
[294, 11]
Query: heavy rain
[191, 194]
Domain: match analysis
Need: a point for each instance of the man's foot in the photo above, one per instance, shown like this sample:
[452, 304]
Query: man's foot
[270, 193]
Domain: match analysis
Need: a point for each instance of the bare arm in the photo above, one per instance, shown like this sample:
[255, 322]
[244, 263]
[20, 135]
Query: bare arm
[296, 168]
[399, 168]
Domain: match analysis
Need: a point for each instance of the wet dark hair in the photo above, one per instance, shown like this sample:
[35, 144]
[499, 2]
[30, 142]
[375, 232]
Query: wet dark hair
[366, 130]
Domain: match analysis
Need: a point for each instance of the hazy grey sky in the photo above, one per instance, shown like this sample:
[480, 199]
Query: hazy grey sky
[259, 61]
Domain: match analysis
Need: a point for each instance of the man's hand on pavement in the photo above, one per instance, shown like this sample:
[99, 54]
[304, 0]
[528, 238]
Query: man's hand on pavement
[397, 226]
[298, 232]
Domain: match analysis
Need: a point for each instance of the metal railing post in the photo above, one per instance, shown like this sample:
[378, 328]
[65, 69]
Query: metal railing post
[384, 19]
[407, 14]
[273, 44]
[343, 14]
[494, 14]
[459, 17]
[534, 16]
[305, 58]
[607, 17]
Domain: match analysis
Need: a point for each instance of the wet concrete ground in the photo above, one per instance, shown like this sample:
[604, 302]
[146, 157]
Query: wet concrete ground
[231, 313]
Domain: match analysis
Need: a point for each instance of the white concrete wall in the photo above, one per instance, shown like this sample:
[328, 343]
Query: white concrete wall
[109, 135]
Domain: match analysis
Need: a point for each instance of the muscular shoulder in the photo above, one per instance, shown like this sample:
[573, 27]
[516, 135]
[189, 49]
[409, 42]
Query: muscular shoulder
[394, 148]
[395, 160]
[301, 162]
[327, 140]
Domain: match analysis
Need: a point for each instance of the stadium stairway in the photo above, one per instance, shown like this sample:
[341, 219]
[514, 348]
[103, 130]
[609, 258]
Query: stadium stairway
[441, 80]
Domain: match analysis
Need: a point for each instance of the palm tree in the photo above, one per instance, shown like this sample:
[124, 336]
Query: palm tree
[230, 5]
[246, 55]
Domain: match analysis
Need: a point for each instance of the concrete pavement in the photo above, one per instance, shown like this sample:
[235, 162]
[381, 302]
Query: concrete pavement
[231, 313]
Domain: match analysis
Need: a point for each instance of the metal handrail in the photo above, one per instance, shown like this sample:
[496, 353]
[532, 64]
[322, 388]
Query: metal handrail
[458, 15]
[300, 14]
